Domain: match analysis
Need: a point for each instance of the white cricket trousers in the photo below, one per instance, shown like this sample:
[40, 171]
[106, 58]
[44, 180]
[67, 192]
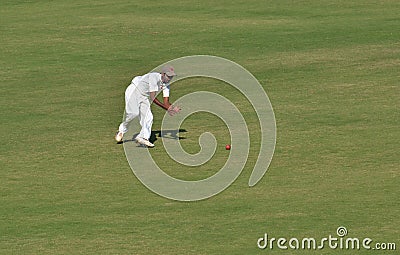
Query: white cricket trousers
[137, 105]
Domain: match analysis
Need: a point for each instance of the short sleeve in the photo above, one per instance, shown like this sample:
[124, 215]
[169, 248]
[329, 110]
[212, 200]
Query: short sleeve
[166, 91]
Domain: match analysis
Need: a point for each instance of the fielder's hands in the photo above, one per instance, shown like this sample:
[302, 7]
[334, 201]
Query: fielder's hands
[174, 109]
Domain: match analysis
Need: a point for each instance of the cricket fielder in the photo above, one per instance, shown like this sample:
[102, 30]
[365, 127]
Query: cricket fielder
[137, 103]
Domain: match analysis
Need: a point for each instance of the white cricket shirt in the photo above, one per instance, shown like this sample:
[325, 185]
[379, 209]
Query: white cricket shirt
[150, 82]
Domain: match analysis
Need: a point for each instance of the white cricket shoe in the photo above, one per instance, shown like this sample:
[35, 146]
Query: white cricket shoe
[119, 136]
[144, 142]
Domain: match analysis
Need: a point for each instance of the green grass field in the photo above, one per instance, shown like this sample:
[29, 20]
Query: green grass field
[330, 69]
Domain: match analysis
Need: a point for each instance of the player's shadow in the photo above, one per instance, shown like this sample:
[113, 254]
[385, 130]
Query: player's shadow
[166, 134]
[169, 134]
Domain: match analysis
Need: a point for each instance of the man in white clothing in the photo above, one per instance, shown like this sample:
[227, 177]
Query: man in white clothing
[137, 103]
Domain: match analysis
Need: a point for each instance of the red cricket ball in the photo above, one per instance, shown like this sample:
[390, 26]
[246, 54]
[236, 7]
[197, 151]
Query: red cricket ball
[228, 147]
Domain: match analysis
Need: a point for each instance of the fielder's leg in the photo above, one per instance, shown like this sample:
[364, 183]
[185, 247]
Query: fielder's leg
[146, 121]
[131, 112]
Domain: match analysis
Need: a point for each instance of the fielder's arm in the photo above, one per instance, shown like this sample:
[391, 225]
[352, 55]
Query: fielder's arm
[172, 110]
[165, 105]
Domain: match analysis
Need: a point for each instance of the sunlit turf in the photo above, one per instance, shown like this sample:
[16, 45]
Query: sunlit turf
[329, 68]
